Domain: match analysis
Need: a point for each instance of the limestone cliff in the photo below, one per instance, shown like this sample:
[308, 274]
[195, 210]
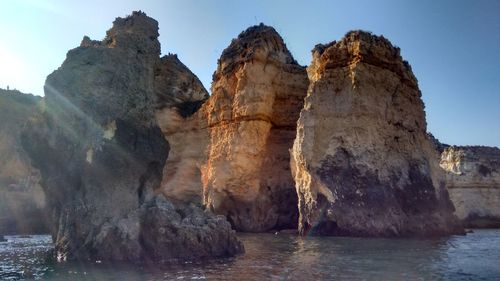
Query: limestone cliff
[184, 126]
[22, 201]
[257, 94]
[473, 181]
[362, 162]
[101, 152]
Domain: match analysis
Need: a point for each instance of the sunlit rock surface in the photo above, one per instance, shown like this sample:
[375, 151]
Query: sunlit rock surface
[22, 201]
[362, 162]
[473, 181]
[101, 152]
[184, 126]
[257, 94]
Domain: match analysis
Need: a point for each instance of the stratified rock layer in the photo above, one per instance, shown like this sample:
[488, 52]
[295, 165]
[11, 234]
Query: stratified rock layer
[473, 181]
[362, 162]
[257, 94]
[22, 201]
[101, 152]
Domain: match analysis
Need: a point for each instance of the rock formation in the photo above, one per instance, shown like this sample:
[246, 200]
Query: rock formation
[257, 94]
[22, 201]
[184, 126]
[101, 152]
[362, 162]
[473, 181]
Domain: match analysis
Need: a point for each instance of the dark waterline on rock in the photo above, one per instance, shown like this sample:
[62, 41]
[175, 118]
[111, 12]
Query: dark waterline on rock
[279, 257]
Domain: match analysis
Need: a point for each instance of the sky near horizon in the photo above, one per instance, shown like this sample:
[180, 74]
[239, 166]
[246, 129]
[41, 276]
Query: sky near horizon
[452, 46]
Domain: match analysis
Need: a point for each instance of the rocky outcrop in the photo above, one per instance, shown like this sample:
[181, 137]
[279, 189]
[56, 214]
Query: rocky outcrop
[473, 181]
[22, 201]
[257, 94]
[101, 152]
[362, 162]
[184, 126]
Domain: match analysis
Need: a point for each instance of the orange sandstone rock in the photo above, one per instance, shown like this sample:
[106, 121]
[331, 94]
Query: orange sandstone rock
[257, 94]
[362, 162]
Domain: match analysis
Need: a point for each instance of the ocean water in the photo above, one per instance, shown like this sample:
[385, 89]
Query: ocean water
[284, 257]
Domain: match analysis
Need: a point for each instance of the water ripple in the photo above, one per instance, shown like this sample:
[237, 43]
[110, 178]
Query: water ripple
[284, 257]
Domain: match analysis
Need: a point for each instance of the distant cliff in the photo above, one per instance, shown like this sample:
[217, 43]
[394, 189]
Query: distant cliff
[22, 201]
[473, 181]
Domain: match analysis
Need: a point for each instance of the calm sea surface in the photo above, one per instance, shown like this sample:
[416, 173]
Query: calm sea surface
[285, 257]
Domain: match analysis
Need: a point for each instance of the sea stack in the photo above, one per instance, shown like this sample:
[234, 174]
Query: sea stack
[473, 181]
[362, 161]
[101, 152]
[257, 93]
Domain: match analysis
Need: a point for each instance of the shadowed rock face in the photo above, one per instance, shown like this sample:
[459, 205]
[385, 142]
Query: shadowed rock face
[473, 181]
[362, 162]
[22, 201]
[101, 152]
[257, 94]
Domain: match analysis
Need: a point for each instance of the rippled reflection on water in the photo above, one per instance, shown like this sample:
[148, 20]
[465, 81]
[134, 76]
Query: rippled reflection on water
[285, 257]
[24, 257]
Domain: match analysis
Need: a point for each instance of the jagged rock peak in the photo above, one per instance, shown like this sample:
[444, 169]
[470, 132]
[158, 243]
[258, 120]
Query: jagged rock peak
[362, 46]
[259, 42]
[176, 84]
[136, 31]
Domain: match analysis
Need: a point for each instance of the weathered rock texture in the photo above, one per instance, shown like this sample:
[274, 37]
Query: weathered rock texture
[362, 162]
[473, 181]
[101, 152]
[257, 94]
[184, 126]
[22, 201]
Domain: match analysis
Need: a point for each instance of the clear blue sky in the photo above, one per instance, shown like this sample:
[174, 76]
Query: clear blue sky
[453, 46]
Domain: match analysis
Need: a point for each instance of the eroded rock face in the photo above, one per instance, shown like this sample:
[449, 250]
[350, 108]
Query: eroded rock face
[101, 152]
[473, 181]
[22, 201]
[184, 126]
[362, 162]
[257, 94]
